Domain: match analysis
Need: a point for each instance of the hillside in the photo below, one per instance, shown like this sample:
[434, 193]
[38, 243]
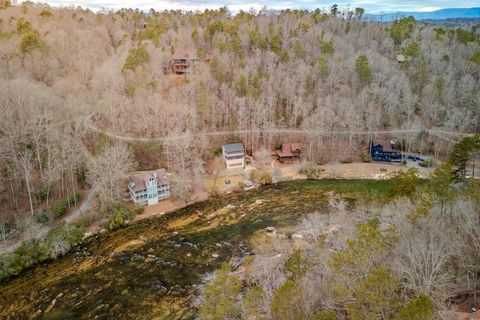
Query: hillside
[67, 74]
[267, 71]
[87, 99]
[151, 269]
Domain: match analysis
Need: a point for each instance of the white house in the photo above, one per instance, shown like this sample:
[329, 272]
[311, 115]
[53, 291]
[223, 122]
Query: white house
[147, 188]
[234, 155]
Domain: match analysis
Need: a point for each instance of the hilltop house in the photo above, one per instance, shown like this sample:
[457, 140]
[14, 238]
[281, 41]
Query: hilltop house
[289, 153]
[234, 155]
[184, 61]
[384, 150]
[148, 187]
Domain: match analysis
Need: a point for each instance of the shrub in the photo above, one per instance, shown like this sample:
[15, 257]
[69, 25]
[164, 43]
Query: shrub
[311, 170]
[57, 209]
[43, 191]
[325, 315]
[43, 216]
[296, 265]
[57, 242]
[217, 151]
[347, 160]
[116, 221]
[80, 174]
[241, 186]
[265, 178]
[139, 210]
[418, 309]
[475, 58]
[7, 228]
[254, 176]
[405, 183]
[366, 157]
[23, 257]
[426, 163]
[120, 217]
[261, 177]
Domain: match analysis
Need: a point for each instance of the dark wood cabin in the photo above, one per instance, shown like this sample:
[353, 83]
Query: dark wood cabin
[290, 153]
[385, 150]
[184, 62]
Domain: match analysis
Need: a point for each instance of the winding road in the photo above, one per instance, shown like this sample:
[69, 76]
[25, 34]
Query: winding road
[68, 218]
[436, 132]
[83, 206]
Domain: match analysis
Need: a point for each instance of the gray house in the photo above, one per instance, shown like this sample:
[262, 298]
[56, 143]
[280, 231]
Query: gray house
[147, 188]
[234, 155]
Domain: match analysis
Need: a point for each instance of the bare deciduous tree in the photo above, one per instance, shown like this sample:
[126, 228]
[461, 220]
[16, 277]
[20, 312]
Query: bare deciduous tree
[423, 254]
[107, 171]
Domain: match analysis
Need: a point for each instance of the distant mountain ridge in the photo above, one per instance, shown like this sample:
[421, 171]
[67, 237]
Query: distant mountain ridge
[449, 13]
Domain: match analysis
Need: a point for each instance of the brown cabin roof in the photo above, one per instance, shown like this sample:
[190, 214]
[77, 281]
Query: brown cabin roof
[187, 54]
[139, 179]
[290, 150]
[386, 144]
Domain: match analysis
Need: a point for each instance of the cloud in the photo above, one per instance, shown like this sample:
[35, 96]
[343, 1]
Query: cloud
[371, 6]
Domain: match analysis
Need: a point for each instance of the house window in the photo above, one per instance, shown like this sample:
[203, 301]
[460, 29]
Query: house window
[236, 164]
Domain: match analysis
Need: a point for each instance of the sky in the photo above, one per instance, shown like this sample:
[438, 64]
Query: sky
[371, 6]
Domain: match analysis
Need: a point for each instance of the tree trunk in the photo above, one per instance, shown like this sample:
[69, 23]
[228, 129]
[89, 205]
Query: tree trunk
[3, 233]
[474, 302]
[25, 161]
[13, 194]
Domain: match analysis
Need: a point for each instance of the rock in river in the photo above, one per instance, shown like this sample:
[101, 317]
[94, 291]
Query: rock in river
[270, 229]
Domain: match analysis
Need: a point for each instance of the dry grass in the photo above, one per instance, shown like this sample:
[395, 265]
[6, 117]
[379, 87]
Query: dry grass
[129, 245]
[162, 206]
[219, 185]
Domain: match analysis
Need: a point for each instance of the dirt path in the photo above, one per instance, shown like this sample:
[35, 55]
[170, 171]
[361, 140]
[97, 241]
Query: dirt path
[442, 134]
[84, 206]
[44, 229]
[375, 171]
[226, 133]
[160, 208]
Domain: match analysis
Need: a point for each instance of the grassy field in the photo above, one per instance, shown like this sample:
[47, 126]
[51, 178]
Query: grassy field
[151, 268]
